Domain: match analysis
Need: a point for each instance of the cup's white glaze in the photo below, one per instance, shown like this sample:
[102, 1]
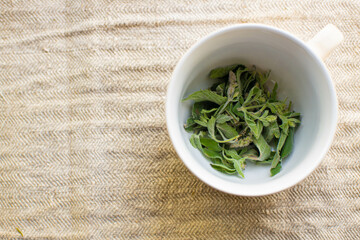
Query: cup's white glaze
[301, 76]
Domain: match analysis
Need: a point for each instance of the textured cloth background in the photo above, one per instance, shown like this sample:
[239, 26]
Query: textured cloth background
[84, 150]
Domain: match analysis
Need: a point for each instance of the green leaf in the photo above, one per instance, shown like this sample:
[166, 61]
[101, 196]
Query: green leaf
[275, 170]
[204, 118]
[205, 111]
[250, 78]
[266, 162]
[246, 117]
[275, 160]
[227, 163]
[211, 154]
[232, 153]
[201, 123]
[196, 109]
[222, 71]
[239, 72]
[222, 118]
[274, 92]
[217, 83]
[236, 111]
[285, 127]
[195, 141]
[206, 95]
[234, 118]
[227, 130]
[245, 154]
[288, 122]
[263, 117]
[288, 145]
[255, 115]
[238, 168]
[281, 142]
[211, 127]
[265, 114]
[189, 126]
[254, 93]
[262, 78]
[250, 154]
[294, 120]
[223, 168]
[255, 127]
[292, 124]
[289, 107]
[210, 144]
[276, 107]
[265, 123]
[230, 92]
[292, 114]
[271, 118]
[259, 128]
[220, 89]
[263, 147]
[272, 131]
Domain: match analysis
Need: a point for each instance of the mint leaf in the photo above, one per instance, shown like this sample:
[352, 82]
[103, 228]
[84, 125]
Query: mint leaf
[220, 89]
[262, 78]
[255, 127]
[210, 144]
[189, 126]
[239, 120]
[222, 118]
[211, 154]
[201, 122]
[275, 170]
[271, 118]
[222, 71]
[239, 72]
[211, 127]
[238, 168]
[274, 92]
[275, 160]
[196, 110]
[263, 147]
[272, 131]
[223, 168]
[254, 93]
[206, 95]
[227, 130]
[205, 111]
[288, 145]
[195, 141]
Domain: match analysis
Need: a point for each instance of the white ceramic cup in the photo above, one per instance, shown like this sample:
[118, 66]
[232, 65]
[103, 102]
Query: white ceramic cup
[302, 77]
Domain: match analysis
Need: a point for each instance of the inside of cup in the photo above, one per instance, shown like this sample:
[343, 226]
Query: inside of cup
[300, 76]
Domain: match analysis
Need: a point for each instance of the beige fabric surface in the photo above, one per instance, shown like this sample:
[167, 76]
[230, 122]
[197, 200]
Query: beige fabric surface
[84, 150]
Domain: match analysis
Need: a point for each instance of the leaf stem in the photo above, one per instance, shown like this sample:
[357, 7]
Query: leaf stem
[256, 106]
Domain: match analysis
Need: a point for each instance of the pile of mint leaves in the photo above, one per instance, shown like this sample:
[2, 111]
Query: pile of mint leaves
[238, 119]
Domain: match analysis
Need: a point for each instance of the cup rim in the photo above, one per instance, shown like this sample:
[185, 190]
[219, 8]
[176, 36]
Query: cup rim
[262, 189]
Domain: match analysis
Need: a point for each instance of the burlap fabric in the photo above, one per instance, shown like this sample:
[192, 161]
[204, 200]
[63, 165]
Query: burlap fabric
[84, 150]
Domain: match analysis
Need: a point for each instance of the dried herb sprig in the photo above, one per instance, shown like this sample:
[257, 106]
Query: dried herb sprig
[237, 120]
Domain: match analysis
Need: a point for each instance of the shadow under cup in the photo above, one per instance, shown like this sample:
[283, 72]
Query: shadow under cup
[301, 76]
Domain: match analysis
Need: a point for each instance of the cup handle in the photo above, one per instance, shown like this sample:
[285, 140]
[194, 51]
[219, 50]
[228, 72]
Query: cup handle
[326, 40]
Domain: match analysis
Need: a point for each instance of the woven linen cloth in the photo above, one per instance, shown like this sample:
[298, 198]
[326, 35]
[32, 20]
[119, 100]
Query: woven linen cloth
[84, 150]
